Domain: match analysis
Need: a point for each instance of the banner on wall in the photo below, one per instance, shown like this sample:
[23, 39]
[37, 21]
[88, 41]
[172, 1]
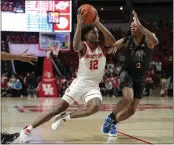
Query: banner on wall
[63, 38]
[47, 87]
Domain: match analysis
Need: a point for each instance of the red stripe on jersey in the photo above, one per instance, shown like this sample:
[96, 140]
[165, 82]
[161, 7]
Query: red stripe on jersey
[71, 98]
[91, 95]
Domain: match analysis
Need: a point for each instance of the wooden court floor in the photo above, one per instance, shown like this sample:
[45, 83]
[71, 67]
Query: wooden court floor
[152, 123]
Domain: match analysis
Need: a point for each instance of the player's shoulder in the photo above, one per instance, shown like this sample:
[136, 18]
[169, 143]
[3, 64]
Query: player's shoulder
[84, 49]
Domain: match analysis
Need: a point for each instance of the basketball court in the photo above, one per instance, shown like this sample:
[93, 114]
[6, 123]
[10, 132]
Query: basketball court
[152, 123]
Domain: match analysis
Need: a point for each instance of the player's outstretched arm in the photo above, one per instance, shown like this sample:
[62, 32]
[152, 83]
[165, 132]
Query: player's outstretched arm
[22, 57]
[8, 56]
[116, 46]
[151, 39]
[77, 44]
[109, 38]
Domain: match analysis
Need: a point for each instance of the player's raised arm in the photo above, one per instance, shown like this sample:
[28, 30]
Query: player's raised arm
[151, 39]
[109, 38]
[77, 44]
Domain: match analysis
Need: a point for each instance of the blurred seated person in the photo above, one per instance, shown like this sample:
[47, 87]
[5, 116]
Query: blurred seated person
[18, 87]
[4, 87]
[10, 85]
[31, 91]
[109, 88]
[149, 83]
[102, 87]
[164, 86]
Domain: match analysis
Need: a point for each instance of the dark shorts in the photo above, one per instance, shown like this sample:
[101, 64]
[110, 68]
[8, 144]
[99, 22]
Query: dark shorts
[135, 82]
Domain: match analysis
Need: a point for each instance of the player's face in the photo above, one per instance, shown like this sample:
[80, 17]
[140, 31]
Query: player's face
[93, 35]
[134, 29]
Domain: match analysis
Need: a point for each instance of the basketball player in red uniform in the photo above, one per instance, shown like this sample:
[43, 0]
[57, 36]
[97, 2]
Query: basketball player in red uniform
[91, 51]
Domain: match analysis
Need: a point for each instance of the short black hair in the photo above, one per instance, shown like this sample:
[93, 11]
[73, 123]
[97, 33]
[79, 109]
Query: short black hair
[85, 29]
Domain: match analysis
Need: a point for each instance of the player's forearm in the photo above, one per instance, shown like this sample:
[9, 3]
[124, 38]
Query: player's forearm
[109, 38]
[116, 46]
[8, 56]
[77, 38]
[119, 43]
[149, 36]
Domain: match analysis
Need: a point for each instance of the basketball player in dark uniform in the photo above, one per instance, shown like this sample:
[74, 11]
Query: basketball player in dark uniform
[138, 55]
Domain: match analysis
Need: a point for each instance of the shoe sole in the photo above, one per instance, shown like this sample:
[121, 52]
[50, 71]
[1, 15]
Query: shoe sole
[25, 141]
[112, 135]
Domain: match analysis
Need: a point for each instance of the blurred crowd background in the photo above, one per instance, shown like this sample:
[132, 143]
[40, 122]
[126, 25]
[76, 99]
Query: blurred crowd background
[25, 80]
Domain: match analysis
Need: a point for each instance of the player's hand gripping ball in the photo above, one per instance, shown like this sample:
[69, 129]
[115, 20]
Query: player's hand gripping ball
[91, 13]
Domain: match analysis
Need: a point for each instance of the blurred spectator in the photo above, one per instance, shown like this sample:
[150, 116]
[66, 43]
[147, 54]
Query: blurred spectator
[162, 59]
[13, 78]
[4, 87]
[149, 83]
[102, 88]
[18, 87]
[21, 37]
[109, 88]
[170, 87]
[16, 6]
[10, 85]
[31, 91]
[164, 87]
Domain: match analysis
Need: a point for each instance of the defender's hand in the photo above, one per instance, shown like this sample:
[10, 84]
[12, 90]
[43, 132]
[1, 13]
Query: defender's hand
[27, 57]
[136, 19]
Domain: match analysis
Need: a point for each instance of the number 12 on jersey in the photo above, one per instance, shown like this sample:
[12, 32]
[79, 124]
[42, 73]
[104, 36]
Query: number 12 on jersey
[94, 64]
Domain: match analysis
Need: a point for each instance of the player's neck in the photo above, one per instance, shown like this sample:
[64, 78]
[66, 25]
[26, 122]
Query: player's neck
[92, 46]
[138, 38]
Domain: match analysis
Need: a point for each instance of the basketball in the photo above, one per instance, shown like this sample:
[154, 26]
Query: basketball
[91, 13]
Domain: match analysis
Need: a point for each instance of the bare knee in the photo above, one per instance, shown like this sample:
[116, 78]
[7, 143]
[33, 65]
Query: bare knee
[92, 109]
[128, 96]
[128, 99]
[93, 106]
[62, 106]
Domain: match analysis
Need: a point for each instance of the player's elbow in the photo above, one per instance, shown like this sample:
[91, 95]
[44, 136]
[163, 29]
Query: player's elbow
[156, 42]
[75, 46]
[110, 42]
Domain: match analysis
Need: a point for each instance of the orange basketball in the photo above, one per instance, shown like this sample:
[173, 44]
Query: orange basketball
[91, 13]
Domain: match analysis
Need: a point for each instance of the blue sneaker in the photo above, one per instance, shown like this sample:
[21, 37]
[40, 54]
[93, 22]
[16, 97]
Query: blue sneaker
[107, 125]
[112, 131]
